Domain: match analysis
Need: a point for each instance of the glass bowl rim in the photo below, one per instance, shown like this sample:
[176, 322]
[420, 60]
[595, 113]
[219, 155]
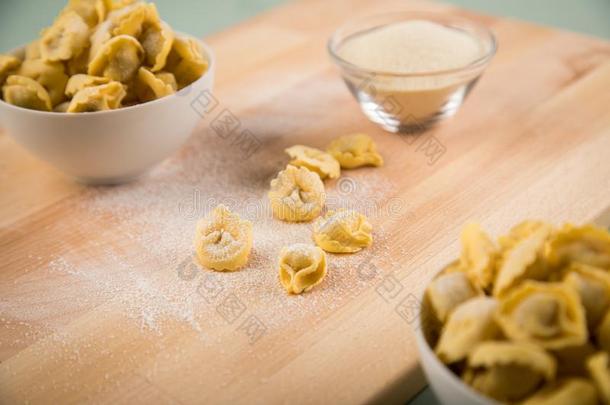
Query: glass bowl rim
[433, 16]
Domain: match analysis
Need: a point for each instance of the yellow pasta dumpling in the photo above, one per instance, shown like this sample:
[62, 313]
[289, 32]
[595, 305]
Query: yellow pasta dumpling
[568, 391]
[588, 244]
[157, 41]
[97, 98]
[186, 61]
[478, 255]
[449, 290]
[523, 260]
[8, 65]
[593, 286]
[509, 371]
[470, 323]
[92, 12]
[355, 150]
[130, 20]
[547, 314]
[62, 108]
[65, 39]
[342, 231]
[315, 160]
[117, 4]
[80, 81]
[50, 75]
[32, 50]
[118, 59]
[27, 93]
[296, 194]
[301, 267]
[599, 368]
[223, 240]
[521, 231]
[151, 86]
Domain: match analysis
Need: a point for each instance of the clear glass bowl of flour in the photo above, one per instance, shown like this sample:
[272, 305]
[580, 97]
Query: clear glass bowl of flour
[410, 70]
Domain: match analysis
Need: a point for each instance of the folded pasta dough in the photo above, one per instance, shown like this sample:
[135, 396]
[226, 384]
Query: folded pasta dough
[602, 335]
[524, 260]
[547, 314]
[521, 231]
[593, 286]
[470, 323]
[449, 290]
[599, 368]
[588, 244]
[508, 371]
[478, 255]
[565, 392]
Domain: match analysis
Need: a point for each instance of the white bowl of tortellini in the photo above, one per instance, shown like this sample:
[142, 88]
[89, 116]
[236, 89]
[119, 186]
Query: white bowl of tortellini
[525, 320]
[107, 91]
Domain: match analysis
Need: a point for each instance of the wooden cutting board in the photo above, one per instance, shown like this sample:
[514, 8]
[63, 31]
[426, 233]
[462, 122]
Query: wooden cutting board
[99, 301]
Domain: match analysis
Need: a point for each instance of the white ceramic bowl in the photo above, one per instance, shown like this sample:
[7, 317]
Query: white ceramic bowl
[110, 147]
[448, 387]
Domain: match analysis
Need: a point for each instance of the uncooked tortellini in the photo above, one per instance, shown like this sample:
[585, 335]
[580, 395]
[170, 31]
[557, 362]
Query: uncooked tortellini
[81, 81]
[157, 40]
[223, 240]
[343, 231]
[478, 255]
[509, 371]
[118, 59]
[315, 160]
[547, 314]
[50, 75]
[470, 323]
[27, 93]
[355, 150]
[151, 86]
[523, 260]
[185, 61]
[8, 65]
[587, 244]
[98, 98]
[599, 368]
[593, 286]
[66, 38]
[569, 391]
[296, 194]
[301, 267]
[449, 290]
[92, 12]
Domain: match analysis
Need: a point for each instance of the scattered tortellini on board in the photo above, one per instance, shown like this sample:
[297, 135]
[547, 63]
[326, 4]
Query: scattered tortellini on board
[527, 319]
[297, 194]
[101, 55]
[301, 267]
[223, 240]
[342, 231]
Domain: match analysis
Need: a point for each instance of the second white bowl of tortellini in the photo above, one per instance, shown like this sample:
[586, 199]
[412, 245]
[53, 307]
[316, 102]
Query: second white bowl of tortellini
[106, 93]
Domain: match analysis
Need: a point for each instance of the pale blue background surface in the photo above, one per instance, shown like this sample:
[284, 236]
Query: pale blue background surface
[21, 20]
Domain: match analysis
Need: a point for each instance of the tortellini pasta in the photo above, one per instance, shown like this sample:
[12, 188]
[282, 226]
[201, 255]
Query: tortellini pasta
[472, 322]
[355, 150]
[223, 240]
[315, 160]
[121, 41]
[296, 195]
[301, 267]
[527, 321]
[565, 392]
[118, 59]
[150, 86]
[50, 75]
[80, 81]
[509, 371]
[65, 39]
[185, 61]
[8, 65]
[523, 260]
[599, 367]
[27, 93]
[478, 255]
[342, 231]
[448, 291]
[97, 98]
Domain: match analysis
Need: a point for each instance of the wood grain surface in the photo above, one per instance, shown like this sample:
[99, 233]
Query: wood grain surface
[531, 141]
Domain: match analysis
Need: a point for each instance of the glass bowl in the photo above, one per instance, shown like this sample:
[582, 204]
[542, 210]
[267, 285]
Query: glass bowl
[411, 103]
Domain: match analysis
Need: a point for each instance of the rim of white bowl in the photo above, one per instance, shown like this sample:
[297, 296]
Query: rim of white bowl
[334, 42]
[180, 93]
